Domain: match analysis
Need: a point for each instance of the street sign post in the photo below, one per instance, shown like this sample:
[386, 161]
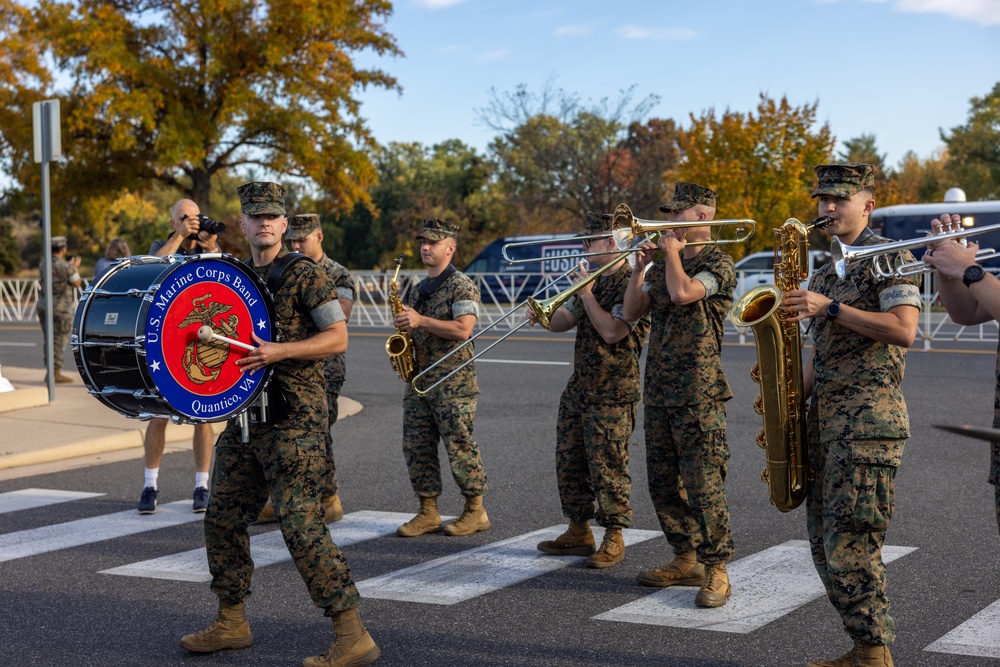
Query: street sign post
[48, 145]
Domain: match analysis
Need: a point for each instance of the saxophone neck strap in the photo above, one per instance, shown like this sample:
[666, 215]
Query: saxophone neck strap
[432, 285]
[282, 264]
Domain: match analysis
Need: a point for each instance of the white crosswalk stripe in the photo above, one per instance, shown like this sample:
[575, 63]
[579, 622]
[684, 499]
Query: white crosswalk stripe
[94, 529]
[980, 635]
[26, 499]
[265, 548]
[469, 574]
[766, 586]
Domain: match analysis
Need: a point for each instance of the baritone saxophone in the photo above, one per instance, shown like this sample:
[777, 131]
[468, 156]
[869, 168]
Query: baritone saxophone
[778, 370]
[399, 347]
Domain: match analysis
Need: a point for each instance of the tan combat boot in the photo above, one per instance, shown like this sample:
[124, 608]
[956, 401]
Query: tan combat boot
[472, 520]
[62, 379]
[332, 508]
[229, 630]
[612, 549]
[578, 540]
[267, 514]
[683, 570]
[716, 590]
[353, 646]
[427, 519]
[873, 655]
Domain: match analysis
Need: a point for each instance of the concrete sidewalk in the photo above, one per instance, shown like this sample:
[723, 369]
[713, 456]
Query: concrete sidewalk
[34, 431]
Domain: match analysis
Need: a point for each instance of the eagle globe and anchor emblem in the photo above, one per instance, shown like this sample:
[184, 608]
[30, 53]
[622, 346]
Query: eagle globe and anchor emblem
[195, 373]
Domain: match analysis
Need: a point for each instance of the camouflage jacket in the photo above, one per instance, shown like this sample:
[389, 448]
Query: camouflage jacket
[683, 363]
[856, 385]
[606, 374]
[305, 295]
[63, 277]
[457, 296]
[336, 366]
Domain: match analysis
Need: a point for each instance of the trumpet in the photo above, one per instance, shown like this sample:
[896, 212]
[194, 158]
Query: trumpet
[423, 391]
[626, 228]
[844, 255]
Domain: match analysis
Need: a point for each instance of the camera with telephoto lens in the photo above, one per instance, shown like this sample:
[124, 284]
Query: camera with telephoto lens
[206, 224]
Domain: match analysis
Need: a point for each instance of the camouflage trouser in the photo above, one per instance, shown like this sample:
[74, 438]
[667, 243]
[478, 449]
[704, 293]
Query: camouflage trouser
[334, 377]
[850, 503]
[431, 418]
[62, 327]
[995, 477]
[287, 464]
[686, 457]
[592, 461]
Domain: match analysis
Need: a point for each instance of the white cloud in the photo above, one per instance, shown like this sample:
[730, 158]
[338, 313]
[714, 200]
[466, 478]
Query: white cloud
[499, 54]
[564, 30]
[632, 31]
[436, 4]
[986, 12]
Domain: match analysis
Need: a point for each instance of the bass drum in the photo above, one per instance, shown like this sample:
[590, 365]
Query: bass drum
[136, 337]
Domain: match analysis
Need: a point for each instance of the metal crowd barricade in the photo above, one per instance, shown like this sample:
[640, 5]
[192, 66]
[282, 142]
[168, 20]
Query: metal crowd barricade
[500, 292]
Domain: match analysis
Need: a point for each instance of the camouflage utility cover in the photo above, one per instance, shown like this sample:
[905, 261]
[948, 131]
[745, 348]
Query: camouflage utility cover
[435, 230]
[683, 362]
[262, 198]
[844, 180]
[687, 195]
[856, 392]
[456, 297]
[301, 226]
[602, 373]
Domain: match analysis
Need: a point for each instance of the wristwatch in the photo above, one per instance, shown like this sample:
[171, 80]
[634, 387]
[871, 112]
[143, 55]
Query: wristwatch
[973, 274]
[833, 310]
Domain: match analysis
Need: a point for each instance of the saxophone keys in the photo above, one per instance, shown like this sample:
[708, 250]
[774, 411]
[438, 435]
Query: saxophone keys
[758, 405]
[764, 477]
[755, 374]
[761, 439]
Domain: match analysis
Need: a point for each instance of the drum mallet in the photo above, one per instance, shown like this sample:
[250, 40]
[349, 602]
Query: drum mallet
[206, 333]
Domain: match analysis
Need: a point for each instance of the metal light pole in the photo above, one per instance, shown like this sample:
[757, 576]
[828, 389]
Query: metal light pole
[48, 145]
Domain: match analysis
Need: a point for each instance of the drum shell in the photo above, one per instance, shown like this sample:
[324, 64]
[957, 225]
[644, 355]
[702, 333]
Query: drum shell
[108, 338]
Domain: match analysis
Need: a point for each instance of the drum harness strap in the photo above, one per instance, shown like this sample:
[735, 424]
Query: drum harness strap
[271, 406]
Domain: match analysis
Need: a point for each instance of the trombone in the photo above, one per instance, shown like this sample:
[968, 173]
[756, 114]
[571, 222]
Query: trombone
[626, 228]
[844, 255]
[424, 391]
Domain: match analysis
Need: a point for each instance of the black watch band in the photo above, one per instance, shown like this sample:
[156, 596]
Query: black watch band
[973, 274]
[833, 310]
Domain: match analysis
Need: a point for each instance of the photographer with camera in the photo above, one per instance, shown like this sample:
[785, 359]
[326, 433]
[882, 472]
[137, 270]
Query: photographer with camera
[194, 233]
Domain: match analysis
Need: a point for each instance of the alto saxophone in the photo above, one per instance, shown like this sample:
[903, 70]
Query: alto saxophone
[778, 370]
[399, 347]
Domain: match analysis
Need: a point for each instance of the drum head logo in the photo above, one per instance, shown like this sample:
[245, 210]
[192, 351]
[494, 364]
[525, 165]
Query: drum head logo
[198, 377]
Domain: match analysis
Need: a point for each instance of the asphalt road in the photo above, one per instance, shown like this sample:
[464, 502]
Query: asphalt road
[57, 607]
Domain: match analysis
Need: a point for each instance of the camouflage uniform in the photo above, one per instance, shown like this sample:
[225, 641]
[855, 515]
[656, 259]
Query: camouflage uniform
[63, 278]
[335, 369]
[597, 412]
[283, 459]
[857, 425]
[447, 412]
[685, 415]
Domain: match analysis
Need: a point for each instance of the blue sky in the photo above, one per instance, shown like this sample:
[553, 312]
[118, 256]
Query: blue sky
[900, 69]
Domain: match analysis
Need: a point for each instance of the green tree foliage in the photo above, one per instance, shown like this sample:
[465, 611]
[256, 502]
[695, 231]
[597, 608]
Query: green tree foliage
[974, 148]
[759, 163]
[180, 90]
[558, 158]
[449, 181]
[10, 259]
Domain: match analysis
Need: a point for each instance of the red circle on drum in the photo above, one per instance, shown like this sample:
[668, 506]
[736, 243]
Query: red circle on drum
[206, 369]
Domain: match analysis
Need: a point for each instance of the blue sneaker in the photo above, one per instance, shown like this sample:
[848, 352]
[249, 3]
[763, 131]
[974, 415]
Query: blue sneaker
[200, 503]
[147, 501]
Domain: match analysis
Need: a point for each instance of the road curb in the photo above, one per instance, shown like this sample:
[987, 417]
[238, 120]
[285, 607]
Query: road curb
[23, 398]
